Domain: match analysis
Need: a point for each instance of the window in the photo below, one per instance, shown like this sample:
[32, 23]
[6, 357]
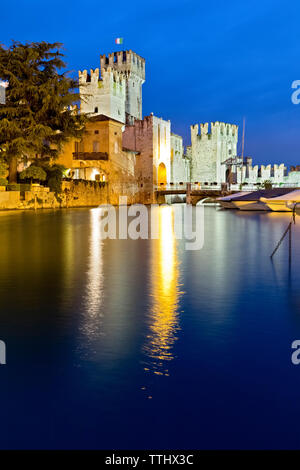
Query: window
[96, 109]
[96, 132]
[95, 146]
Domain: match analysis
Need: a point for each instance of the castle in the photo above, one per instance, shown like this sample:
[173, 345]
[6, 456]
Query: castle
[127, 150]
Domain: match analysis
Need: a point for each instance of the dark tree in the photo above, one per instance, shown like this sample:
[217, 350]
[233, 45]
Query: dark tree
[39, 114]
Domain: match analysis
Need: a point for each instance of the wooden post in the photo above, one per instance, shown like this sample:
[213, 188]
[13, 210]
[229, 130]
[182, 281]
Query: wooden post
[188, 193]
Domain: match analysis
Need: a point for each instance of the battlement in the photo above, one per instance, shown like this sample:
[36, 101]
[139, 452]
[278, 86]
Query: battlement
[224, 128]
[112, 80]
[127, 62]
[214, 129]
[85, 77]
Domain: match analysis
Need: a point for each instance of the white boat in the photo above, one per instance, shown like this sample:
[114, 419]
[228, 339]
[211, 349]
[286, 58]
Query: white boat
[227, 201]
[256, 201]
[283, 203]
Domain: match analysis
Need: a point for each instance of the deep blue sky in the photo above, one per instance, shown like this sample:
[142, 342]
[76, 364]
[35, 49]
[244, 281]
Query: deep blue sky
[205, 61]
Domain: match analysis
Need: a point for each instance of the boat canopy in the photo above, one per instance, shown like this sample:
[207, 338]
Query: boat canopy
[290, 196]
[233, 196]
[265, 193]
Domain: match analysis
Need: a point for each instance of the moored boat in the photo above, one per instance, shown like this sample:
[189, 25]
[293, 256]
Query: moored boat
[255, 201]
[283, 203]
[227, 201]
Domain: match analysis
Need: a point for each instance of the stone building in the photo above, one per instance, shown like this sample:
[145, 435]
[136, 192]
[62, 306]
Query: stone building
[116, 90]
[150, 138]
[209, 149]
[99, 156]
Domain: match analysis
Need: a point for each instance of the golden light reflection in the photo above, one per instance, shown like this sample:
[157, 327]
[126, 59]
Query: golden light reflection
[94, 294]
[163, 317]
[94, 288]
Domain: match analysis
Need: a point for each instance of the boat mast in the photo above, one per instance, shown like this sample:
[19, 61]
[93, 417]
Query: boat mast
[243, 140]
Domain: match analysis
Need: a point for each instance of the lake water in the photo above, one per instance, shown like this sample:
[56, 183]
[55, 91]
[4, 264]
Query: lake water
[121, 344]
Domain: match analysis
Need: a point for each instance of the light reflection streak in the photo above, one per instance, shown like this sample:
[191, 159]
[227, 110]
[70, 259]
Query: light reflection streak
[163, 317]
[94, 289]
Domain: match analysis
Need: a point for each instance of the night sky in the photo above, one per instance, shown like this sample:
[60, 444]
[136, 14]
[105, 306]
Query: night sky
[205, 61]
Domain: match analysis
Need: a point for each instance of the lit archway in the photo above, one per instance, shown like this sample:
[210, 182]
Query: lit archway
[162, 174]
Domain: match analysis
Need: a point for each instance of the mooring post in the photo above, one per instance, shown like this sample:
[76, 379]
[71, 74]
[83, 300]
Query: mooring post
[290, 244]
[188, 193]
[289, 229]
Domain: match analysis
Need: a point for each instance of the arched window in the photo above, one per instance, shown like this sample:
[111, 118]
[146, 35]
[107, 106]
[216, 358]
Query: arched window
[96, 109]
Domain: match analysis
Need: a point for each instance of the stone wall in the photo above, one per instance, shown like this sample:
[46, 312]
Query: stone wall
[106, 96]
[73, 194]
[210, 149]
[250, 174]
[180, 164]
[139, 139]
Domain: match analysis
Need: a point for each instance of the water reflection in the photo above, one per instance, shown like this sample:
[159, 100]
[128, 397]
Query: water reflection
[94, 289]
[163, 318]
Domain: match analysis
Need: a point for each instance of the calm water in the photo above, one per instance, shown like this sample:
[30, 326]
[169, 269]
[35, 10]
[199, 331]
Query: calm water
[142, 344]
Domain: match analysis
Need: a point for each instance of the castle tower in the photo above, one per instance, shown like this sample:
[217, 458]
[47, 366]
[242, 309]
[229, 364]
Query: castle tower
[210, 149]
[132, 67]
[105, 95]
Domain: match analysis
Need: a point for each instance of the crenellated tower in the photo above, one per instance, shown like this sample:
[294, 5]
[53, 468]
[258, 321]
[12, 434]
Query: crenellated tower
[105, 95]
[214, 145]
[132, 67]
[115, 90]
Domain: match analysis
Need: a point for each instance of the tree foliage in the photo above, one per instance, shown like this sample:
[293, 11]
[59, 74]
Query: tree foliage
[38, 117]
[33, 172]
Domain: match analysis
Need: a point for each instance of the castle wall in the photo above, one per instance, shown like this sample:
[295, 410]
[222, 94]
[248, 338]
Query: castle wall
[276, 174]
[179, 163]
[210, 149]
[139, 138]
[161, 147]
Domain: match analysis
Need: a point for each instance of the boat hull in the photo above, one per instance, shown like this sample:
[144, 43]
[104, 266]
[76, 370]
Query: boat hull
[227, 204]
[251, 206]
[278, 206]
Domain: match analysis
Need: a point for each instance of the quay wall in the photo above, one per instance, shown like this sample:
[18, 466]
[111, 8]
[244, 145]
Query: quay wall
[74, 194]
